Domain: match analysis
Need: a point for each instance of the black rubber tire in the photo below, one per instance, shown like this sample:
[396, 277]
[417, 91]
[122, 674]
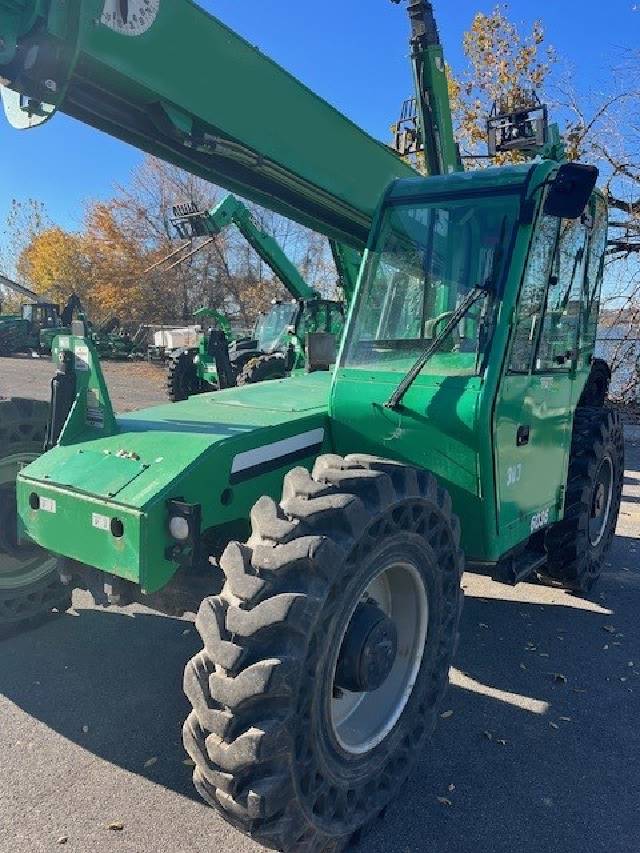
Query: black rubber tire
[258, 733]
[572, 558]
[596, 390]
[263, 368]
[182, 377]
[9, 343]
[30, 587]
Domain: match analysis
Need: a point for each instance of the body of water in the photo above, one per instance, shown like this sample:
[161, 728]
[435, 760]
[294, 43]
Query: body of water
[623, 355]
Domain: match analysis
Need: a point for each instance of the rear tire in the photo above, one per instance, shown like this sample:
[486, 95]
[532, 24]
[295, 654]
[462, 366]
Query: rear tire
[9, 340]
[596, 390]
[283, 749]
[578, 544]
[182, 377]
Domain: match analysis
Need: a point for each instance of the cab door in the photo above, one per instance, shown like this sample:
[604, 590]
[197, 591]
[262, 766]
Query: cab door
[533, 414]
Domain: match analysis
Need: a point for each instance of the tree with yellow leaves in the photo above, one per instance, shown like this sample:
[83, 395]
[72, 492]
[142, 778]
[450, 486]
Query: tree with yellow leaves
[113, 261]
[502, 64]
[53, 264]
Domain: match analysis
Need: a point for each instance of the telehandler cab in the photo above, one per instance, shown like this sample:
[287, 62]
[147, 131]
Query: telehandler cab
[455, 419]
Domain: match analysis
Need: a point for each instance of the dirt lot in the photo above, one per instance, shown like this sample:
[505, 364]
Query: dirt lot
[538, 748]
[132, 384]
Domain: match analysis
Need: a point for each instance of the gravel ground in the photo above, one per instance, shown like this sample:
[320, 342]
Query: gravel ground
[132, 384]
[541, 750]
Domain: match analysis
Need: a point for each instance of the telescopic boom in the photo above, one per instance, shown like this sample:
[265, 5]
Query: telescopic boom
[172, 80]
[433, 107]
[191, 223]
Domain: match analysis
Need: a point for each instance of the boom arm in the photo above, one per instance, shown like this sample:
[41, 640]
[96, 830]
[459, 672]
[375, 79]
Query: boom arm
[435, 126]
[232, 210]
[172, 80]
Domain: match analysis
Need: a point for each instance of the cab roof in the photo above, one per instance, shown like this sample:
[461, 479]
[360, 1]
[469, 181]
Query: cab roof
[494, 178]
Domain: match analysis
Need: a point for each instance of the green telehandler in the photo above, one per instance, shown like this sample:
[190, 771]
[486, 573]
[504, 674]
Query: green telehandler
[278, 345]
[461, 416]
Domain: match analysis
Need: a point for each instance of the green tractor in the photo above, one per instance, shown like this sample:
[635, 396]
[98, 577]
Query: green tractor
[211, 365]
[463, 416]
[115, 342]
[278, 345]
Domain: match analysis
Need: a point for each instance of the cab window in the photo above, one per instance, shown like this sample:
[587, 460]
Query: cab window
[336, 320]
[532, 295]
[561, 323]
[426, 260]
[593, 280]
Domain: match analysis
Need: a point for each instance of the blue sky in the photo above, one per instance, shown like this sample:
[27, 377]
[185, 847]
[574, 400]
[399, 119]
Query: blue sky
[352, 53]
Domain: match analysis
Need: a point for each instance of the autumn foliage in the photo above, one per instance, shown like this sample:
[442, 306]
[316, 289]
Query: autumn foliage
[502, 63]
[111, 261]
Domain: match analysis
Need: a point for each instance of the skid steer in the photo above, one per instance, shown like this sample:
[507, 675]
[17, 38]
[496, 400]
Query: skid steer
[454, 421]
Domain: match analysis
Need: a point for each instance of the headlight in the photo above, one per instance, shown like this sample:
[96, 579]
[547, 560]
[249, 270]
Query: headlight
[183, 524]
[179, 528]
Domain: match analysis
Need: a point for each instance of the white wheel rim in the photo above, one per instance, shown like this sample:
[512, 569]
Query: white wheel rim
[601, 502]
[21, 570]
[361, 721]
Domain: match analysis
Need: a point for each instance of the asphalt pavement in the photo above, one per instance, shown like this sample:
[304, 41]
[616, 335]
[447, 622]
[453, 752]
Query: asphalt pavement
[538, 748]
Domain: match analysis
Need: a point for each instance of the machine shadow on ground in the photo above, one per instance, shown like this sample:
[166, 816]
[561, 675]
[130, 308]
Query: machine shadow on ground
[117, 675]
[542, 730]
[538, 747]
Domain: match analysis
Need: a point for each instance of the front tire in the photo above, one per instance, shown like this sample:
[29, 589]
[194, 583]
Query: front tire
[30, 587]
[263, 368]
[596, 389]
[577, 545]
[182, 377]
[327, 654]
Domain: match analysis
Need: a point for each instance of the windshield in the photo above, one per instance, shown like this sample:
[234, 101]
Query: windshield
[427, 259]
[272, 326]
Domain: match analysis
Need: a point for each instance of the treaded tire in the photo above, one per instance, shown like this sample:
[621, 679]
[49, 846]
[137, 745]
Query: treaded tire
[30, 587]
[263, 368]
[9, 340]
[182, 377]
[260, 689]
[596, 390]
[573, 558]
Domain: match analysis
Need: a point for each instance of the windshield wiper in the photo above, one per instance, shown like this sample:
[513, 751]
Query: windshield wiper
[475, 294]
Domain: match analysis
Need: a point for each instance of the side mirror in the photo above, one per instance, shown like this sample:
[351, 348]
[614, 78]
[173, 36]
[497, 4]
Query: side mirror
[571, 190]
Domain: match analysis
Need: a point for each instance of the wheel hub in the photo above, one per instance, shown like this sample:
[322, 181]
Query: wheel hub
[368, 650]
[380, 652]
